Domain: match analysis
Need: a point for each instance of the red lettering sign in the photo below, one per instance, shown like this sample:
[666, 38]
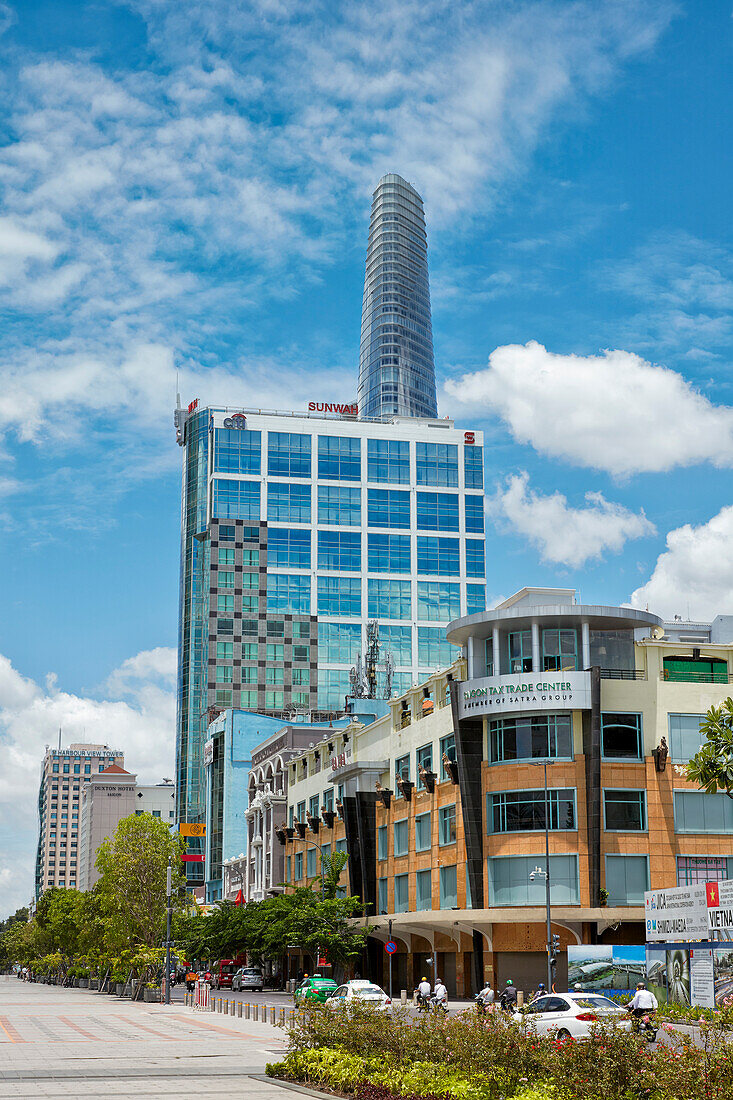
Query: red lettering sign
[332, 407]
[193, 405]
[469, 437]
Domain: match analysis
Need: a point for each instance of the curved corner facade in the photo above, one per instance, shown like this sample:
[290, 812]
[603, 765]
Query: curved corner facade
[396, 364]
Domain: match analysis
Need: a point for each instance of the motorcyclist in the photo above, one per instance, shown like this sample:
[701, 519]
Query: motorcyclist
[486, 996]
[423, 991]
[540, 991]
[440, 995]
[643, 1003]
[508, 999]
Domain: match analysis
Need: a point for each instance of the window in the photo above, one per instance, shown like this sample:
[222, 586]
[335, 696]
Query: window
[274, 675]
[225, 580]
[339, 505]
[275, 651]
[475, 599]
[624, 811]
[236, 452]
[400, 838]
[397, 640]
[424, 757]
[288, 503]
[692, 870]
[339, 596]
[250, 604]
[530, 736]
[388, 553]
[437, 555]
[249, 674]
[433, 651]
[328, 799]
[298, 874]
[301, 653]
[402, 766]
[447, 748]
[339, 550]
[422, 833]
[339, 643]
[311, 863]
[510, 884]
[438, 601]
[448, 880]
[226, 556]
[475, 515]
[289, 868]
[313, 805]
[423, 890]
[382, 842]
[301, 677]
[475, 565]
[236, 499]
[288, 454]
[389, 599]
[224, 697]
[249, 628]
[447, 825]
[339, 458]
[383, 895]
[700, 670]
[87, 769]
[288, 592]
[288, 548]
[437, 512]
[627, 877]
[621, 736]
[437, 464]
[274, 700]
[227, 533]
[388, 508]
[275, 628]
[225, 651]
[697, 812]
[224, 674]
[473, 464]
[401, 894]
[250, 650]
[301, 628]
[524, 811]
[333, 686]
[559, 650]
[250, 559]
[225, 604]
[388, 460]
[156, 813]
[684, 735]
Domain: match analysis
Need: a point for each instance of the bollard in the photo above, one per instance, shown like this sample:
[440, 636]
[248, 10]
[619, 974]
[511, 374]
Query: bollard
[246, 1011]
[257, 1013]
[272, 1015]
[282, 1017]
[212, 1004]
[520, 998]
[239, 1010]
[226, 1008]
[403, 996]
[219, 1004]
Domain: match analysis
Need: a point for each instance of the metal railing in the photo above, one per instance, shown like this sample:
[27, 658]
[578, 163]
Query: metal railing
[623, 674]
[682, 676]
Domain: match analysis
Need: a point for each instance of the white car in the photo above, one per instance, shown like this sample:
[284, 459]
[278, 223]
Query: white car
[568, 1015]
[248, 977]
[359, 992]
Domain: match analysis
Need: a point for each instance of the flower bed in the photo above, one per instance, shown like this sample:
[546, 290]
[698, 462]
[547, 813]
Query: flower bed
[471, 1057]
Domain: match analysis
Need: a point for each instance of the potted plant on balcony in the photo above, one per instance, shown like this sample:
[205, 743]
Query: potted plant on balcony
[603, 897]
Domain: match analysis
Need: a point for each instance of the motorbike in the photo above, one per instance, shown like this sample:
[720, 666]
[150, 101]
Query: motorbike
[482, 1005]
[437, 1006]
[643, 1025]
[422, 1003]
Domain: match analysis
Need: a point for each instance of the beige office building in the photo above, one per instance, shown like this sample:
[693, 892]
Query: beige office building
[65, 773]
[112, 795]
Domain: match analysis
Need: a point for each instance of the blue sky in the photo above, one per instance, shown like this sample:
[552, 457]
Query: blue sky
[186, 188]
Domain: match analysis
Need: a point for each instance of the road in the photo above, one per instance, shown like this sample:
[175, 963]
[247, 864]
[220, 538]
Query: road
[285, 1000]
[71, 1043]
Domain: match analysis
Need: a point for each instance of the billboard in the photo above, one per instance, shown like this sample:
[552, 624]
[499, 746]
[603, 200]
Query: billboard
[679, 913]
[606, 968]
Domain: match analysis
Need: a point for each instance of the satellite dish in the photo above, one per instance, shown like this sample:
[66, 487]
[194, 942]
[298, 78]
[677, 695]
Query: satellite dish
[658, 633]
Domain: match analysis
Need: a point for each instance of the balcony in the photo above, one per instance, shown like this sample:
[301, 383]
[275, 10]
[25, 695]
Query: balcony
[623, 674]
[691, 676]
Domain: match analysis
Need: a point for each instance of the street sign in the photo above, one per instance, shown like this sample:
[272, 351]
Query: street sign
[390, 947]
[186, 829]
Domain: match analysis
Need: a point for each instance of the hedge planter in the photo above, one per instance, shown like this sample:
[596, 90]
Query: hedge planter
[83, 983]
[94, 983]
[119, 988]
[151, 996]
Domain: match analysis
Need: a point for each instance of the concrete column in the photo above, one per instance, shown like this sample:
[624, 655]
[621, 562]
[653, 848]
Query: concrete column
[536, 655]
[585, 633]
[470, 658]
[497, 651]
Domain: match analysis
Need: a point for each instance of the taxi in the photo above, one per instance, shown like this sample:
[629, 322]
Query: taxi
[315, 990]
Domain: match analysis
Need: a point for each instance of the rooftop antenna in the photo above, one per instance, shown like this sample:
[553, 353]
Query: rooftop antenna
[178, 395]
[59, 738]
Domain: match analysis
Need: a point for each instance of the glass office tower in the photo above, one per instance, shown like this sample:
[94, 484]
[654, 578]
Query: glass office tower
[396, 365]
[297, 530]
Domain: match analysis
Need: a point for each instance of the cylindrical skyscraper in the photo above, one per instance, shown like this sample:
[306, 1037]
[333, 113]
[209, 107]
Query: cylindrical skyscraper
[396, 365]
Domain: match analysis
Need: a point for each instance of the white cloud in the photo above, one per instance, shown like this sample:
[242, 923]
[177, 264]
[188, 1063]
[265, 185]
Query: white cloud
[613, 412]
[562, 533]
[694, 575]
[135, 713]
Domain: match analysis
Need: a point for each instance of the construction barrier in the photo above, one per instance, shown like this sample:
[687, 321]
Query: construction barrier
[200, 998]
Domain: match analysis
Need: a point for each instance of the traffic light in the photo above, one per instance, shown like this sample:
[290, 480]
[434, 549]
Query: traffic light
[554, 948]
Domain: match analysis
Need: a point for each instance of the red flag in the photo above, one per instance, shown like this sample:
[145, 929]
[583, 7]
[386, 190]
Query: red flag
[239, 900]
[713, 893]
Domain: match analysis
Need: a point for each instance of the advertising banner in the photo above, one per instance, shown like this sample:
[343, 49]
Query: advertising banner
[719, 898]
[605, 968]
[525, 691]
[680, 913]
[702, 987]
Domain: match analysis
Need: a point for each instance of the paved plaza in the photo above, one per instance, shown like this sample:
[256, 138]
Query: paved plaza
[69, 1042]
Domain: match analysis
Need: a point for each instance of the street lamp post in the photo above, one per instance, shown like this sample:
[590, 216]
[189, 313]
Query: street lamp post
[543, 764]
[169, 893]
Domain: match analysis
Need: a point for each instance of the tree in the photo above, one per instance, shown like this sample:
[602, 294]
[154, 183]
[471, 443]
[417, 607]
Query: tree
[133, 866]
[712, 766]
[334, 865]
[14, 918]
